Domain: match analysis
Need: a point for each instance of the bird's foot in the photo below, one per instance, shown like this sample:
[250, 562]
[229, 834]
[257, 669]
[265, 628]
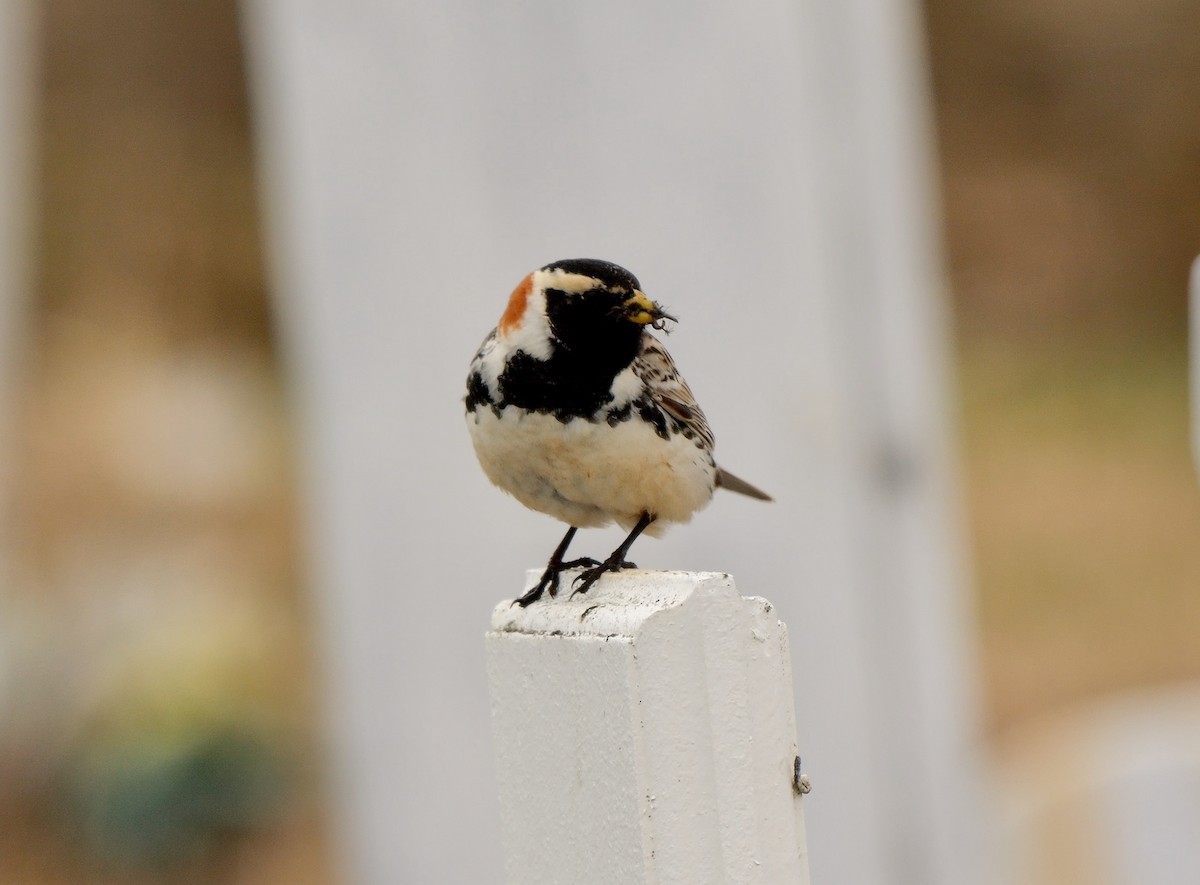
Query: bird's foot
[550, 579]
[548, 583]
[579, 563]
[588, 577]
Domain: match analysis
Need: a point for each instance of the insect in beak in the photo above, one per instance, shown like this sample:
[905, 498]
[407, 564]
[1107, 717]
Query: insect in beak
[639, 309]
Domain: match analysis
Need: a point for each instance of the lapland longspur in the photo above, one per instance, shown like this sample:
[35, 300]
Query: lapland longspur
[577, 411]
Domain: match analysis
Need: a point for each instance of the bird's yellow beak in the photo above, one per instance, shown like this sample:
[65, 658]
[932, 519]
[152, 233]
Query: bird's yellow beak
[641, 310]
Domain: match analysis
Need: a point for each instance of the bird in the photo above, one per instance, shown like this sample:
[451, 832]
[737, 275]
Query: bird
[578, 411]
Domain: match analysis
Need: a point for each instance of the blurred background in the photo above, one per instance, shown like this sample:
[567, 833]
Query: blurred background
[159, 717]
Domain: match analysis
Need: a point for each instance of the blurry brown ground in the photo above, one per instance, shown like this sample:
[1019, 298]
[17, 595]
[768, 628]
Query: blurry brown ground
[1070, 153]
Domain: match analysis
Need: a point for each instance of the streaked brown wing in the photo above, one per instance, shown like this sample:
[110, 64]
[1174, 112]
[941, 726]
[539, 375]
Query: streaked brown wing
[668, 389]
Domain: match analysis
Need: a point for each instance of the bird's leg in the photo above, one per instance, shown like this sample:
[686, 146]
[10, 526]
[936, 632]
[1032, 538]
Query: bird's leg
[614, 563]
[554, 567]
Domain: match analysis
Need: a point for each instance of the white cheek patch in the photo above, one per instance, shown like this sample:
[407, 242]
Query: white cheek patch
[532, 333]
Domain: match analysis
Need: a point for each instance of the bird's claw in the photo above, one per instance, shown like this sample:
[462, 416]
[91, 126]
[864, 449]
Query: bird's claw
[548, 584]
[586, 578]
[580, 563]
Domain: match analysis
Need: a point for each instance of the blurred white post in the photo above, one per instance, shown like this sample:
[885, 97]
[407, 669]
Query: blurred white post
[902, 615]
[1194, 309]
[645, 734]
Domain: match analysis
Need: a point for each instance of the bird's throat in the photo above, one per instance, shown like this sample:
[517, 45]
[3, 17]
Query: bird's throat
[573, 382]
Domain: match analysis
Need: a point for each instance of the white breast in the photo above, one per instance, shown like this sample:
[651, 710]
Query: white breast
[588, 474]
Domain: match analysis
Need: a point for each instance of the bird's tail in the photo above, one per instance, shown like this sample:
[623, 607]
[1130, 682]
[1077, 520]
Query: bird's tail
[727, 480]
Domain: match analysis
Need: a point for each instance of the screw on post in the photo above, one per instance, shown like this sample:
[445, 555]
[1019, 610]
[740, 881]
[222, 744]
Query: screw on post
[800, 781]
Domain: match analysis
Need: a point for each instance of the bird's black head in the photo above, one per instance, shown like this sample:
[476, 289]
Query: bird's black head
[594, 305]
[569, 329]
[602, 273]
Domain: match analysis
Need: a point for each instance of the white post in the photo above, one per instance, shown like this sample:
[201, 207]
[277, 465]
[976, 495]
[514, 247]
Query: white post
[645, 733]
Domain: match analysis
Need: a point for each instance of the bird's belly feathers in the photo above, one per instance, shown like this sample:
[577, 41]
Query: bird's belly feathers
[590, 474]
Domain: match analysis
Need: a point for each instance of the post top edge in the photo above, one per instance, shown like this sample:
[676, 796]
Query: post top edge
[616, 606]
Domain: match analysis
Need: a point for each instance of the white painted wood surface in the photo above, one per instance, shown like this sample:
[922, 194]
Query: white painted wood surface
[764, 169]
[645, 733]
